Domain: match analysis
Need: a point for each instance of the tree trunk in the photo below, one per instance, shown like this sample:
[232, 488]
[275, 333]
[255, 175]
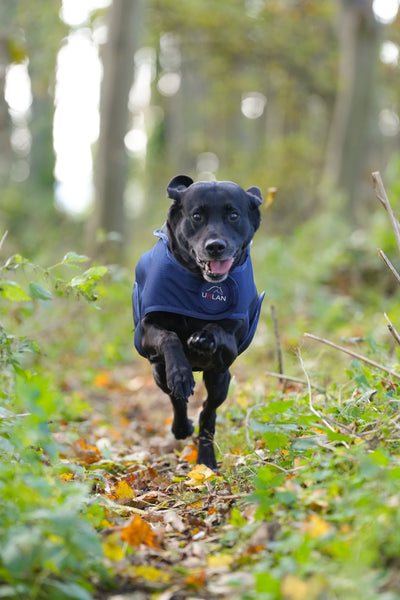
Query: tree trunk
[348, 142]
[110, 171]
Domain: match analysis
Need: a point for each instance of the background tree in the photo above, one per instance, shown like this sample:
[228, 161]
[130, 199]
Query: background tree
[349, 141]
[111, 160]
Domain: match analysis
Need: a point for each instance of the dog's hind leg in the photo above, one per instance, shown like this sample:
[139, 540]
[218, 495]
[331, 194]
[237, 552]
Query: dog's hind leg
[182, 426]
[217, 385]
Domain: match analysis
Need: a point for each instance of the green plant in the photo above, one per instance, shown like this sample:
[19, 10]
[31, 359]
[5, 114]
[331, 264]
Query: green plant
[50, 549]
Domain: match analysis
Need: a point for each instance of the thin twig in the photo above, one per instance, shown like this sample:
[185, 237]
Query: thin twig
[15, 416]
[392, 329]
[277, 341]
[310, 403]
[389, 264]
[3, 239]
[353, 354]
[382, 197]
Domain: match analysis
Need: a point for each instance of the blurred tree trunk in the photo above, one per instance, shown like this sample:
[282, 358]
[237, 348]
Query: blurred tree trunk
[348, 140]
[110, 170]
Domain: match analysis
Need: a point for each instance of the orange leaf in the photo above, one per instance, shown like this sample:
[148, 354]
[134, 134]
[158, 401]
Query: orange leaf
[102, 380]
[89, 454]
[189, 453]
[197, 579]
[138, 532]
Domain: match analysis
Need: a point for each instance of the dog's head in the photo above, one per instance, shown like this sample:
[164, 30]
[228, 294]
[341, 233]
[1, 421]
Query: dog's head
[210, 224]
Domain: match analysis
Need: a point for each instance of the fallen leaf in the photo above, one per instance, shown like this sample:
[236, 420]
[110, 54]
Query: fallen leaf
[316, 527]
[138, 532]
[220, 560]
[86, 452]
[112, 547]
[294, 588]
[122, 491]
[199, 475]
[102, 380]
[189, 453]
[150, 574]
[197, 579]
[173, 519]
[67, 476]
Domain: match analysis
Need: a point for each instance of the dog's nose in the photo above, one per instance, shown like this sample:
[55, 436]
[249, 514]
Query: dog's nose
[215, 247]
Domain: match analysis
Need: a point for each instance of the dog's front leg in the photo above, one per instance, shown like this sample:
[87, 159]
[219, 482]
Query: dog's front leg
[217, 385]
[172, 373]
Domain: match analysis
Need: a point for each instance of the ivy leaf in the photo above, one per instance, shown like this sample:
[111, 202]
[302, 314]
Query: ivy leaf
[38, 292]
[14, 292]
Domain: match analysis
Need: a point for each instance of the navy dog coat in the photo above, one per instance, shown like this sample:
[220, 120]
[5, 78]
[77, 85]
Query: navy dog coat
[163, 284]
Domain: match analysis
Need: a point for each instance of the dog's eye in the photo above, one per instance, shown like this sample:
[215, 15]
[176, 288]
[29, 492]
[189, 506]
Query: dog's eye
[196, 217]
[233, 216]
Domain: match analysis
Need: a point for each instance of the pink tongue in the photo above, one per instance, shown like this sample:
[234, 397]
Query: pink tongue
[220, 267]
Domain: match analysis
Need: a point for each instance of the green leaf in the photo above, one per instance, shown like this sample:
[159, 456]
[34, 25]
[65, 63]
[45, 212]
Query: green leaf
[71, 258]
[89, 276]
[12, 291]
[73, 591]
[38, 292]
[266, 583]
[274, 440]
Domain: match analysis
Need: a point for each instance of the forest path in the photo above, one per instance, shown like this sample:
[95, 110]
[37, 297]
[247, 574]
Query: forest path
[163, 537]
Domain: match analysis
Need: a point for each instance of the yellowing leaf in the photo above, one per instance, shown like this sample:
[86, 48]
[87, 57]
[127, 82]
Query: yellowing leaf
[220, 560]
[199, 475]
[122, 490]
[67, 476]
[316, 527]
[151, 574]
[294, 588]
[138, 532]
[271, 196]
[112, 547]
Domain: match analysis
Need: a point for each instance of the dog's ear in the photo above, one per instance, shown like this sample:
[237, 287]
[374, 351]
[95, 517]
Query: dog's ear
[177, 185]
[255, 194]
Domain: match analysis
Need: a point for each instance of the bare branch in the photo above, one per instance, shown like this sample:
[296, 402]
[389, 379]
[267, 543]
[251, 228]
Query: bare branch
[389, 264]
[353, 354]
[277, 340]
[384, 200]
[392, 329]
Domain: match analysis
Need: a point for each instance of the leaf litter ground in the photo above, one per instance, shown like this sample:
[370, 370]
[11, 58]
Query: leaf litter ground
[169, 523]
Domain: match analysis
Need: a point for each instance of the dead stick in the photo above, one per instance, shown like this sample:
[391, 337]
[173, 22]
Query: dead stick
[278, 341]
[353, 354]
[382, 197]
[392, 329]
[389, 264]
[286, 377]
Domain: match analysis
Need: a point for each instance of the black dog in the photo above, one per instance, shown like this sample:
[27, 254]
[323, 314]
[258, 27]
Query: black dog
[195, 304]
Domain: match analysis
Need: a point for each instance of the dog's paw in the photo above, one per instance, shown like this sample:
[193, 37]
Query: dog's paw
[202, 342]
[180, 381]
[182, 428]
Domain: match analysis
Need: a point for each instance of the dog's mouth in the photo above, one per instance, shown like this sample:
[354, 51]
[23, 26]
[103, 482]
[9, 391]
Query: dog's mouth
[215, 270]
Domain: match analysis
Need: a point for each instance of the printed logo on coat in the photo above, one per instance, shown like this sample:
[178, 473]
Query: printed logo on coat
[217, 297]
